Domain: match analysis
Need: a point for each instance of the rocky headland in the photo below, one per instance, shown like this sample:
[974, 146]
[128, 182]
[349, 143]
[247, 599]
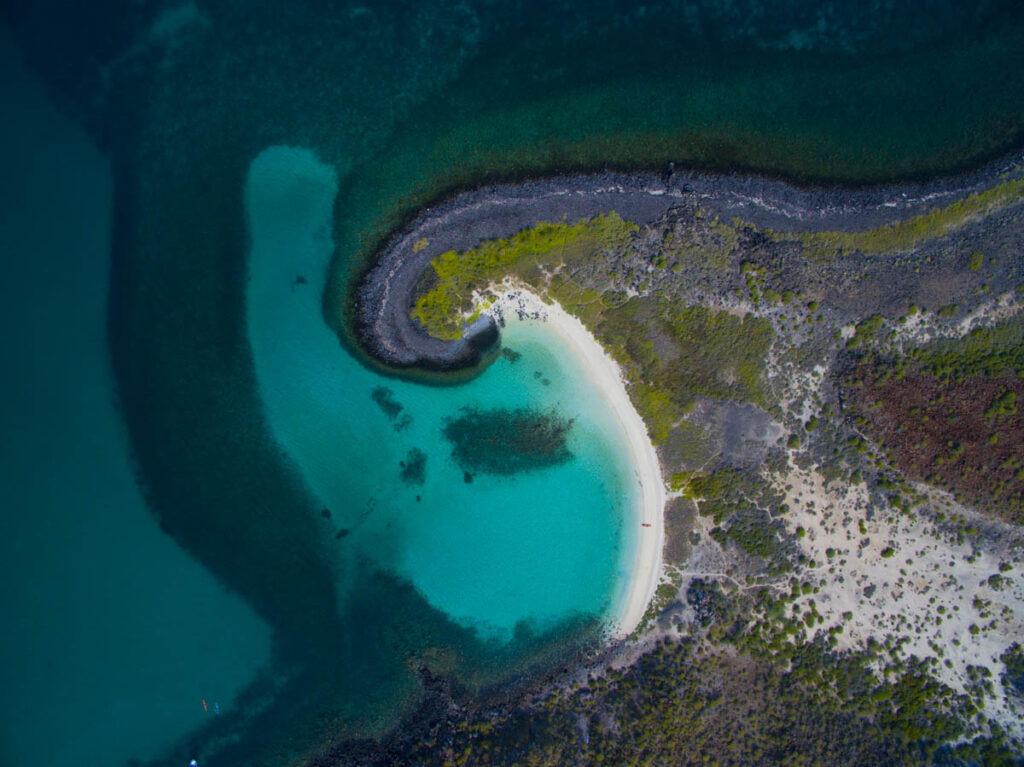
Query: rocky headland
[389, 287]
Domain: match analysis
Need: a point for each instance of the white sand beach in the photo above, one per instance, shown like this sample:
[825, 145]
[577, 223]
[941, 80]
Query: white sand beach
[515, 299]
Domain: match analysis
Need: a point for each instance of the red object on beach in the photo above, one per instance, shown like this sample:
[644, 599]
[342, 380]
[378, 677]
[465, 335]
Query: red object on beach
[204, 705]
[645, 524]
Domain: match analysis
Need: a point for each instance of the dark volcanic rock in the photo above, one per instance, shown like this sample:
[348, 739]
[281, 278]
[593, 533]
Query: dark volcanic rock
[388, 334]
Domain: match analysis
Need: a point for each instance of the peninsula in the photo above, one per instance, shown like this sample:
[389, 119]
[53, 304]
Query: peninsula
[755, 328]
[751, 494]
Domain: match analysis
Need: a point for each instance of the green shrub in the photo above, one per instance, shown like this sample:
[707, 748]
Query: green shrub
[458, 274]
[906, 235]
[865, 330]
[700, 352]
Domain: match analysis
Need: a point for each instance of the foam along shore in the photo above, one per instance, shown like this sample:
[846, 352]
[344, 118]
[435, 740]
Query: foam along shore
[389, 335]
[630, 602]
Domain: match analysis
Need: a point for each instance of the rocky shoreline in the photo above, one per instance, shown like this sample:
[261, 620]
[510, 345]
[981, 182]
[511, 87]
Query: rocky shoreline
[385, 294]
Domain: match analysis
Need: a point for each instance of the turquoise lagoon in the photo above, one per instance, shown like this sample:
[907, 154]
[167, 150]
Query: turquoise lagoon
[498, 553]
[114, 635]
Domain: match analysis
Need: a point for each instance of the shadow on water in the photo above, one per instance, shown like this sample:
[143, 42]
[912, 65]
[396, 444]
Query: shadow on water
[228, 495]
[427, 116]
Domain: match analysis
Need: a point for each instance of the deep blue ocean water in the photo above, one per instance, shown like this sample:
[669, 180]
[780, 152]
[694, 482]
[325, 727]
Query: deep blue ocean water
[240, 412]
[113, 636]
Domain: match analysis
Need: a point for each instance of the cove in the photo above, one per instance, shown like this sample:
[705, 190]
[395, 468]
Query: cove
[499, 554]
[378, 92]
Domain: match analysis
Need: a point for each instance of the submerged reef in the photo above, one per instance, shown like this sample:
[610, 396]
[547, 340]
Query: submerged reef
[385, 399]
[391, 407]
[414, 467]
[507, 442]
[411, 105]
[832, 379]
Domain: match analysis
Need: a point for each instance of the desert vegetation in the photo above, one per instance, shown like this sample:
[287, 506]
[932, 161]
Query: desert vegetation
[838, 415]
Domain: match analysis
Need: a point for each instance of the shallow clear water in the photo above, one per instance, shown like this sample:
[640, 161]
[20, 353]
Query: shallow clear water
[407, 102]
[536, 548]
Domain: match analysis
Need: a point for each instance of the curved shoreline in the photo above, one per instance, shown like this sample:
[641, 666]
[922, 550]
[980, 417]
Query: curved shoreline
[644, 571]
[384, 295]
